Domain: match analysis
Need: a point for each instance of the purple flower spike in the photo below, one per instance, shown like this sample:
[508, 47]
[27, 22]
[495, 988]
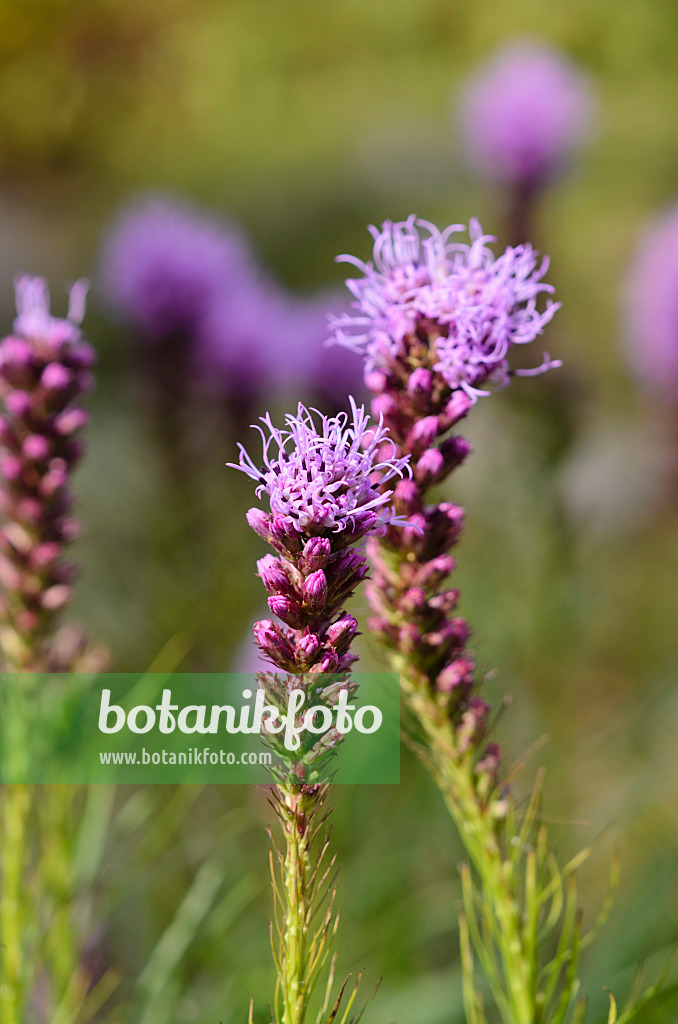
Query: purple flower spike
[318, 478]
[41, 381]
[651, 301]
[451, 307]
[525, 113]
[164, 265]
[320, 475]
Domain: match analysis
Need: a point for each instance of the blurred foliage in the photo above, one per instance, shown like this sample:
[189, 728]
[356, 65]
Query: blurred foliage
[306, 121]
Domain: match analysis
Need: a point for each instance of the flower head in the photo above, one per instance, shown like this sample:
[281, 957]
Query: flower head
[651, 300]
[164, 264]
[525, 113]
[469, 305]
[319, 476]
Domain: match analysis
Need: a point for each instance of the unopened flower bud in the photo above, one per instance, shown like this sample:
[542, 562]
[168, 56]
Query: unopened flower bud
[36, 447]
[274, 576]
[70, 421]
[307, 648]
[18, 403]
[420, 384]
[286, 609]
[429, 467]
[315, 591]
[315, 555]
[56, 597]
[56, 377]
[260, 522]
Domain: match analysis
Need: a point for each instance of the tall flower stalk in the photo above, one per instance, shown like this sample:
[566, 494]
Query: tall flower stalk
[318, 480]
[435, 319]
[45, 367]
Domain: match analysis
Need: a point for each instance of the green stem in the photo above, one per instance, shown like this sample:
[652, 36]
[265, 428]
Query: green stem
[301, 884]
[453, 772]
[15, 809]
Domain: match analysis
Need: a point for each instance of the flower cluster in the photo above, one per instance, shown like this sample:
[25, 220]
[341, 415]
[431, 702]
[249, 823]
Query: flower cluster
[443, 307]
[525, 113]
[435, 319]
[45, 366]
[652, 310]
[320, 476]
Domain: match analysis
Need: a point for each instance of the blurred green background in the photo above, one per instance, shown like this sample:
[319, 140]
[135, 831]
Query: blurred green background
[306, 121]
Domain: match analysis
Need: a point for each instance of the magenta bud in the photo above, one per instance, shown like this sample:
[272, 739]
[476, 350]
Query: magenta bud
[56, 597]
[284, 533]
[15, 352]
[260, 522]
[376, 381]
[286, 609]
[18, 403]
[436, 570]
[274, 576]
[407, 497]
[429, 467]
[413, 600]
[56, 377]
[341, 633]
[384, 405]
[458, 674]
[44, 555]
[424, 432]
[10, 467]
[457, 407]
[328, 663]
[36, 448]
[420, 383]
[315, 555]
[445, 602]
[272, 640]
[307, 648]
[53, 480]
[315, 591]
[362, 523]
[70, 421]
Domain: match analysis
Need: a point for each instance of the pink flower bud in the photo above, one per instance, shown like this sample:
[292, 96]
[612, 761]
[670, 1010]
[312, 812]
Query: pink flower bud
[315, 591]
[315, 555]
[36, 448]
[70, 421]
[260, 522]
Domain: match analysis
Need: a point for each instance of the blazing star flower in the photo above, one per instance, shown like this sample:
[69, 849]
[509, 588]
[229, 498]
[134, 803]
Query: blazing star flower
[525, 113]
[45, 367]
[458, 305]
[164, 264]
[319, 478]
[651, 301]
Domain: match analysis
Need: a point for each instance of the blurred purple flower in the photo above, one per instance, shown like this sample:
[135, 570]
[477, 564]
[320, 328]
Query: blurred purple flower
[326, 373]
[651, 306]
[525, 112]
[45, 368]
[457, 302]
[164, 264]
